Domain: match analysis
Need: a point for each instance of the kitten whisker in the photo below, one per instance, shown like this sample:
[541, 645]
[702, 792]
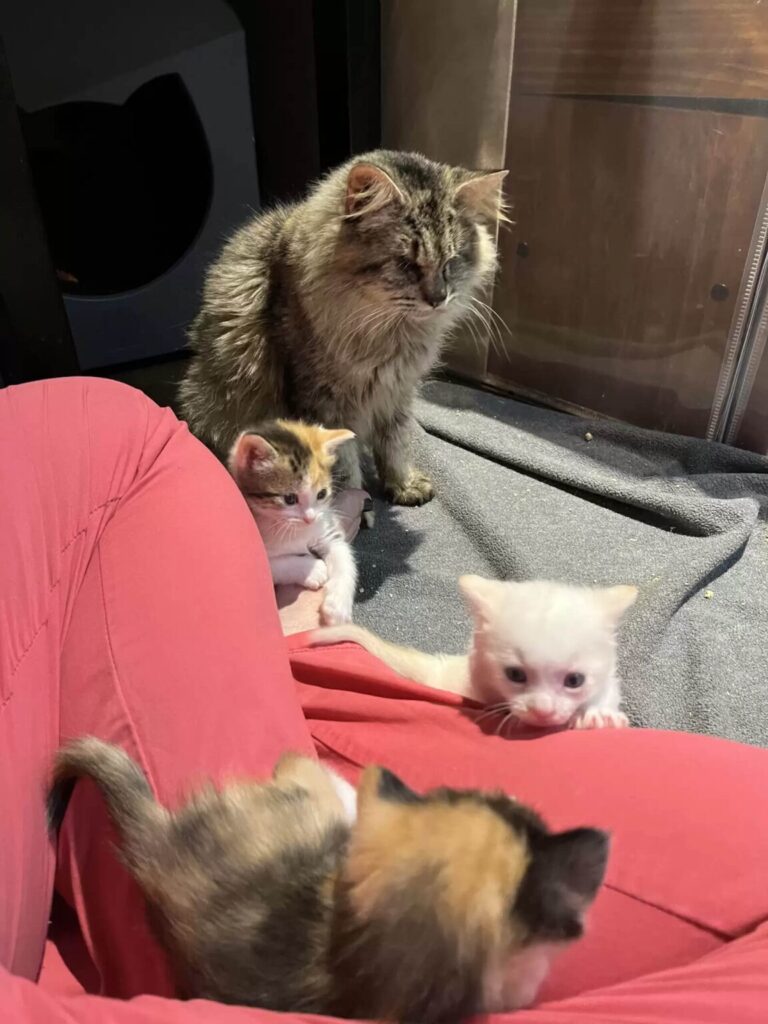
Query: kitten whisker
[490, 712]
[510, 720]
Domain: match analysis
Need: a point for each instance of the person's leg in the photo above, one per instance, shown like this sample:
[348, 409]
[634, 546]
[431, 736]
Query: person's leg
[136, 591]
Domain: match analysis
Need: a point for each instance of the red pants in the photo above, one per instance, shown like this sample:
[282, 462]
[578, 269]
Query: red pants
[136, 604]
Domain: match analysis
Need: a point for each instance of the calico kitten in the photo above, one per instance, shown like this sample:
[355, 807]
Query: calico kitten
[283, 469]
[427, 908]
[542, 654]
[332, 309]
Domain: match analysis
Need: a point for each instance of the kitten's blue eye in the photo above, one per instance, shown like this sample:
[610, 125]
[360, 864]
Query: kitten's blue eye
[290, 499]
[515, 674]
[322, 494]
[573, 680]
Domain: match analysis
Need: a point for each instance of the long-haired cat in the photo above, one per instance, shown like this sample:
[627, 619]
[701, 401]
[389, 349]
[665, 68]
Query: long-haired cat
[284, 471]
[332, 309]
[426, 908]
[542, 654]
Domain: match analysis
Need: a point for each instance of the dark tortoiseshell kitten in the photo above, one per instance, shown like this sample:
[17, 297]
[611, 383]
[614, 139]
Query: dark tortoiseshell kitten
[425, 908]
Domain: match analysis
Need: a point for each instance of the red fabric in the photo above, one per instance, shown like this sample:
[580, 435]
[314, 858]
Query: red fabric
[136, 606]
[135, 603]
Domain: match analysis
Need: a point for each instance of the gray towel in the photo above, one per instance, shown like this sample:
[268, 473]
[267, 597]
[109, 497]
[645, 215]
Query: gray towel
[522, 493]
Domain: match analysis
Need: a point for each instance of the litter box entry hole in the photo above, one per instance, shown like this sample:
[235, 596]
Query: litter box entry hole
[124, 189]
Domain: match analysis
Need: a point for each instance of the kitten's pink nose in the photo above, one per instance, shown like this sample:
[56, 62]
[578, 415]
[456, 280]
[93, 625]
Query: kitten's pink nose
[541, 710]
[309, 515]
[542, 715]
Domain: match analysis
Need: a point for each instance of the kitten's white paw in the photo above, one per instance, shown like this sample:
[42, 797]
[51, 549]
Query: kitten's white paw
[597, 718]
[317, 576]
[336, 609]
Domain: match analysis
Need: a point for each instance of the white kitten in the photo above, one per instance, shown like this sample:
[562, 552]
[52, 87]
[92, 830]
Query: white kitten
[283, 469]
[543, 654]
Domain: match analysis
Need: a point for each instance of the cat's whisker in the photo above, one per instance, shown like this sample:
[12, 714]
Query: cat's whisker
[494, 321]
[477, 313]
[488, 325]
[510, 721]
[478, 336]
[374, 320]
[492, 711]
[470, 324]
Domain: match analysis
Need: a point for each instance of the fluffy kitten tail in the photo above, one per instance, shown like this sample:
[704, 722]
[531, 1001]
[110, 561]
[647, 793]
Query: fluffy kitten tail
[130, 801]
[439, 671]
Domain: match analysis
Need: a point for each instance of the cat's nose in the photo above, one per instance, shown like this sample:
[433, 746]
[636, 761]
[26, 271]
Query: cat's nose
[309, 515]
[435, 291]
[542, 715]
[541, 709]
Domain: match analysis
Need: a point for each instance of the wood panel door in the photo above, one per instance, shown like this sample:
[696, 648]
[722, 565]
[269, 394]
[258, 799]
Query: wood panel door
[637, 144]
[622, 270]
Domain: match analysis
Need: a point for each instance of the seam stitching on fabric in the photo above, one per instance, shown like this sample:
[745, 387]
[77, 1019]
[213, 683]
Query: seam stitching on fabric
[117, 684]
[57, 581]
[718, 933]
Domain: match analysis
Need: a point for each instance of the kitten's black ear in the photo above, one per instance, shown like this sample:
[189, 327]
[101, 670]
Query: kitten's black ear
[250, 452]
[379, 785]
[369, 188]
[565, 872]
[481, 194]
[392, 787]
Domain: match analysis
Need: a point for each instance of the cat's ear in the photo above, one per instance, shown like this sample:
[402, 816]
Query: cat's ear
[563, 877]
[250, 452]
[333, 438]
[379, 785]
[616, 600]
[369, 188]
[481, 195]
[481, 595]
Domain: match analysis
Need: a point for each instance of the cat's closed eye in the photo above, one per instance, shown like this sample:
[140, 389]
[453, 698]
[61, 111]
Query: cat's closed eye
[574, 680]
[515, 674]
[451, 267]
[411, 270]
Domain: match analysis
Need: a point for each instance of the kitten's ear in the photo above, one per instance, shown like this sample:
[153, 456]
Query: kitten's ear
[563, 878]
[616, 600]
[379, 785]
[250, 452]
[481, 595]
[333, 438]
[481, 194]
[369, 188]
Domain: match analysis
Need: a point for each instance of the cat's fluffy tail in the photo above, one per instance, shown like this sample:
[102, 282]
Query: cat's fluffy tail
[131, 804]
[440, 671]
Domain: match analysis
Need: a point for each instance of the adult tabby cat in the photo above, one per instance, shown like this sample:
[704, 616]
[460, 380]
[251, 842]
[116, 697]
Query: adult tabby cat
[332, 309]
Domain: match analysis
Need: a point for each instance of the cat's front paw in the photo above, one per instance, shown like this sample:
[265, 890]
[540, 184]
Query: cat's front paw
[599, 718]
[336, 608]
[416, 489]
[317, 576]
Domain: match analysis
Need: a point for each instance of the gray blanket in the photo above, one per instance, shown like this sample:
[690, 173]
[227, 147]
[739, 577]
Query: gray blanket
[522, 493]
